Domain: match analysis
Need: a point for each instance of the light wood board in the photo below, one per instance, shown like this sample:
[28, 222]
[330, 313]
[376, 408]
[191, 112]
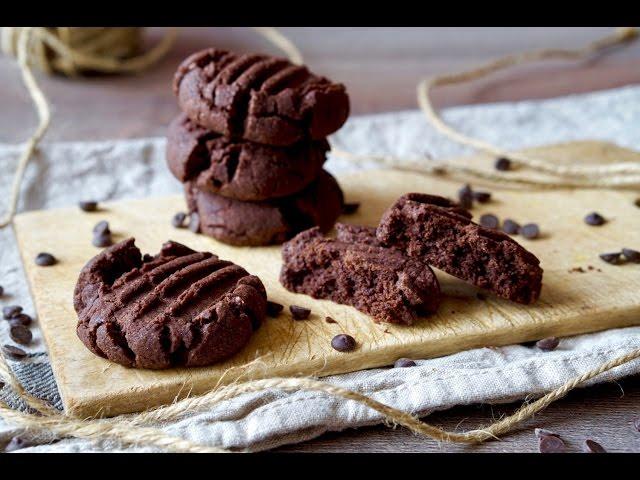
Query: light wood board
[571, 302]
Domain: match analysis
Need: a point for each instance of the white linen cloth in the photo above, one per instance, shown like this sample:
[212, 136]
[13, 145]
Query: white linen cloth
[63, 173]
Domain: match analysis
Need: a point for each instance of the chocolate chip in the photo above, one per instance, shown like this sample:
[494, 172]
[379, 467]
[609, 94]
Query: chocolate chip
[1, 290]
[16, 443]
[465, 197]
[10, 311]
[482, 197]
[637, 202]
[350, 208]
[530, 231]
[102, 240]
[299, 313]
[20, 334]
[551, 444]
[613, 258]
[404, 363]
[510, 227]
[502, 164]
[88, 205]
[330, 320]
[273, 308]
[631, 255]
[343, 343]
[178, 220]
[481, 296]
[591, 446]
[489, 220]
[636, 424]
[14, 352]
[541, 432]
[594, 219]
[548, 344]
[101, 227]
[45, 259]
[146, 258]
[194, 222]
[21, 319]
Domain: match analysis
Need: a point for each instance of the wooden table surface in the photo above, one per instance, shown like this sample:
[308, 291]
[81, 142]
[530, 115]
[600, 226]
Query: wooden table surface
[380, 67]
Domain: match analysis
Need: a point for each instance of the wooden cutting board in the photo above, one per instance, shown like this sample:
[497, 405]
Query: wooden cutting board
[580, 294]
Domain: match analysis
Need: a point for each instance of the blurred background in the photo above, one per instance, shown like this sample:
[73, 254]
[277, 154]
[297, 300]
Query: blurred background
[380, 67]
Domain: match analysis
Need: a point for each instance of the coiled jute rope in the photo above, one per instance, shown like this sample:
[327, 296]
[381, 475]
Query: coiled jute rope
[141, 429]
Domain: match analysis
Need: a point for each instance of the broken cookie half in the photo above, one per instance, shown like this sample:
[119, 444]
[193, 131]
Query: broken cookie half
[354, 269]
[178, 308]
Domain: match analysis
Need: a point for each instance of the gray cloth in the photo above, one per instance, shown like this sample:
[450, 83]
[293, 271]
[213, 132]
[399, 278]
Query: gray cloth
[61, 174]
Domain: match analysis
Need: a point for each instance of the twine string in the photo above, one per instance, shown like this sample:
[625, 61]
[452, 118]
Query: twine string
[129, 430]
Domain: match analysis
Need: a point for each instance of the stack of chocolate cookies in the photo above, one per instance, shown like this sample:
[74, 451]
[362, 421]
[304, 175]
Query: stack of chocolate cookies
[250, 145]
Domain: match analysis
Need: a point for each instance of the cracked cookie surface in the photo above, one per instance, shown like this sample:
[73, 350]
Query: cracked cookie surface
[259, 98]
[354, 269]
[179, 308]
[268, 222]
[442, 234]
[237, 168]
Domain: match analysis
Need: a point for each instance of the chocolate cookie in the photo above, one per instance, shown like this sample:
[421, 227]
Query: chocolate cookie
[355, 270]
[179, 308]
[268, 222]
[237, 168]
[443, 235]
[259, 98]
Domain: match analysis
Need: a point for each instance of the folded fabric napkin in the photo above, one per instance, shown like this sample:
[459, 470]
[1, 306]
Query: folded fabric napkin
[267, 419]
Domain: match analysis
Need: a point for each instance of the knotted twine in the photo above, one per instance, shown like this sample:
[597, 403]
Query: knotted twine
[132, 429]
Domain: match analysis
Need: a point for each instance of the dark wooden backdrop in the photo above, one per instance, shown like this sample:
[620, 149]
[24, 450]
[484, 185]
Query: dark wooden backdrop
[380, 67]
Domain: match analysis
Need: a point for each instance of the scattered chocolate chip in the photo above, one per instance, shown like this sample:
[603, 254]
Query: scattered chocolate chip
[343, 342]
[11, 311]
[88, 206]
[14, 353]
[147, 258]
[194, 222]
[1, 290]
[530, 231]
[481, 296]
[330, 320]
[16, 443]
[636, 423]
[350, 208]
[45, 259]
[502, 164]
[489, 220]
[102, 240]
[101, 227]
[178, 220]
[273, 308]
[465, 197]
[21, 319]
[637, 202]
[20, 334]
[594, 219]
[299, 313]
[404, 363]
[548, 344]
[510, 227]
[482, 197]
[591, 446]
[551, 444]
[541, 432]
[631, 255]
[613, 258]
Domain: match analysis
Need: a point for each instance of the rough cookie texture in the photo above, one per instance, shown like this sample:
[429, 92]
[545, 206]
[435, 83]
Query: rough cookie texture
[268, 222]
[355, 270]
[259, 98]
[443, 235]
[237, 168]
[180, 308]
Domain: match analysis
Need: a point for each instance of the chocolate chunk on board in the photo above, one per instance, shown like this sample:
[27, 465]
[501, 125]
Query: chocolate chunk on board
[441, 234]
[259, 98]
[269, 222]
[240, 169]
[355, 270]
[182, 308]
